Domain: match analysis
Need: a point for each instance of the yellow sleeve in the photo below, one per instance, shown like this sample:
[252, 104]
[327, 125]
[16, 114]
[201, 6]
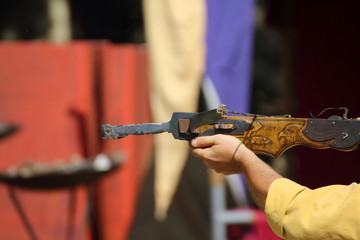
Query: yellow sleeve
[296, 212]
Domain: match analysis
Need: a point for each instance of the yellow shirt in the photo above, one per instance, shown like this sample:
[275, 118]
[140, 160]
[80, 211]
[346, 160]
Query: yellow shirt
[296, 212]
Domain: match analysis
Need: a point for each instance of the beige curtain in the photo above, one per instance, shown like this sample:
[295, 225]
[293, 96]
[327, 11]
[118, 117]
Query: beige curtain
[175, 31]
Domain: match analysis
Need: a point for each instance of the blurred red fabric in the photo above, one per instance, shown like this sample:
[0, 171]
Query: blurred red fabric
[47, 90]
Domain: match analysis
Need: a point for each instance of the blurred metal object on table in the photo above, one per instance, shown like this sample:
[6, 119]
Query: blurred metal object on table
[6, 129]
[41, 176]
[57, 175]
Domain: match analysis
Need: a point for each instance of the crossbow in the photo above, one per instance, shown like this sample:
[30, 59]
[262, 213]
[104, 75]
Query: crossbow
[266, 135]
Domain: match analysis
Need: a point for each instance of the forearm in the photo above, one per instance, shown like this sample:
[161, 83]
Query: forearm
[258, 175]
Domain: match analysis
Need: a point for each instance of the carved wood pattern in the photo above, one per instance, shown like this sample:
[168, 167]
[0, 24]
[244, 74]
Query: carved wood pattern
[272, 136]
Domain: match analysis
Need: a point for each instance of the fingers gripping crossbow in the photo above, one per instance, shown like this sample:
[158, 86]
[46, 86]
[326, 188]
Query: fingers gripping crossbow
[267, 135]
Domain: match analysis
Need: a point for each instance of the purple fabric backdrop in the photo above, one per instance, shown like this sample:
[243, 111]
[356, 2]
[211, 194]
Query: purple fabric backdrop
[229, 50]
